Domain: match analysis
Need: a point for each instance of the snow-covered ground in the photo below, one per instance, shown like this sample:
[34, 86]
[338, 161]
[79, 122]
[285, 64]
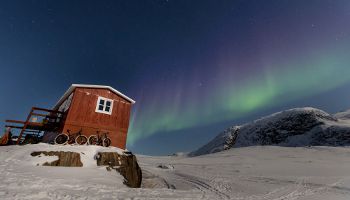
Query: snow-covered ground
[262, 172]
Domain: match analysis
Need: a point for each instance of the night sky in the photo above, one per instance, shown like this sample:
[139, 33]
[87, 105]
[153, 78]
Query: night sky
[193, 67]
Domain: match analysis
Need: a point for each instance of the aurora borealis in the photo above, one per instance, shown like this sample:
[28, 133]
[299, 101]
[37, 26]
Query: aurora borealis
[300, 51]
[194, 67]
[237, 98]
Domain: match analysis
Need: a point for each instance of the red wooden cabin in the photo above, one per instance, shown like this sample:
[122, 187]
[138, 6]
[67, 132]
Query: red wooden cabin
[89, 108]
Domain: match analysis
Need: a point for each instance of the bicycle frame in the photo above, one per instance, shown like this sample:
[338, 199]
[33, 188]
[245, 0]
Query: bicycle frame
[99, 139]
[72, 136]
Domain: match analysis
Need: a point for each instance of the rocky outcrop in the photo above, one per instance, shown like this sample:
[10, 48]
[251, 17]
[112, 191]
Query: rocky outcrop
[126, 165]
[65, 158]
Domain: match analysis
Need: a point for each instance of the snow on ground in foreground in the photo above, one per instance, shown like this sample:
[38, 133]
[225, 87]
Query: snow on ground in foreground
[263, 172]
[242, 173]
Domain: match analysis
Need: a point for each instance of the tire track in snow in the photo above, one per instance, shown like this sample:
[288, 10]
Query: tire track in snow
[201, 185]
[270, 180]
[296, 189]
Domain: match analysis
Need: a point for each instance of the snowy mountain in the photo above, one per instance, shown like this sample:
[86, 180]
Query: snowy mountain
[343, 115]
[294, 127]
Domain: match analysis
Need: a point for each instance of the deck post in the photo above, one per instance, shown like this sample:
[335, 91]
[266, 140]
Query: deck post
[24, 126]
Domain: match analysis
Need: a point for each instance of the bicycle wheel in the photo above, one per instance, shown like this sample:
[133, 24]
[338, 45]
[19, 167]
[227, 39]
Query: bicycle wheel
[71, 139]
[81, 140]
[106, 142]
[92, 140]
[61, 139]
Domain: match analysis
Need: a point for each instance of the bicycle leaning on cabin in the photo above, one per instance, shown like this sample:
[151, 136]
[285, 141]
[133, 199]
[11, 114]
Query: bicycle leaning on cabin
[75, 138]
[103, 140]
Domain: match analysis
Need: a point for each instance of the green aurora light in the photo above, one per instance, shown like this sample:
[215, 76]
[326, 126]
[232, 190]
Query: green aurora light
[230, 98]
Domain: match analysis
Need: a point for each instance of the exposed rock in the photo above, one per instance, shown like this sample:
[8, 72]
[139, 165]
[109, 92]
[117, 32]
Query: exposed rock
[165, 166]
[126, 165]
[223, 141]
[109, 159]
[65, 158]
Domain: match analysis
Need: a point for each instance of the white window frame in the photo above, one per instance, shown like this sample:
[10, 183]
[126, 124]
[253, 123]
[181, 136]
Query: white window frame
[104, 105]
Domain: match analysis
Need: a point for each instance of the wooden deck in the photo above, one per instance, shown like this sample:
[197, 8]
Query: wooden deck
[51, 120]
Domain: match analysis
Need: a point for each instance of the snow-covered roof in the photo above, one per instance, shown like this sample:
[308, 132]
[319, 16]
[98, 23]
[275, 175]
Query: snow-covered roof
[73, 86]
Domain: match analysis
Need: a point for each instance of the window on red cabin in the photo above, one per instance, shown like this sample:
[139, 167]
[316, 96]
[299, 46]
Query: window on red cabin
[104, 105]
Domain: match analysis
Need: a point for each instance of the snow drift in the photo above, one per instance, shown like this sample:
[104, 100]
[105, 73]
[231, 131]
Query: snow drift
[293, 128]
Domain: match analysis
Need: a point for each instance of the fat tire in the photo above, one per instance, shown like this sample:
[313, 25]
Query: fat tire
[61, 139]
[92, 140]
[81, 140]
[106, 142]
[71, 139]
